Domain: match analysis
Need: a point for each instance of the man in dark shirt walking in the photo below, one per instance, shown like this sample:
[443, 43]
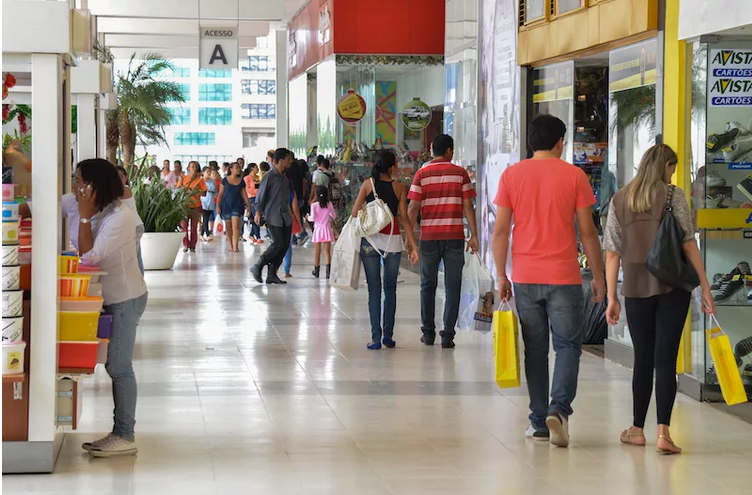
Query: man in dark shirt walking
[273, 200]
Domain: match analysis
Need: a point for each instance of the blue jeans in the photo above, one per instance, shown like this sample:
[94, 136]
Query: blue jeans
[255, 229]
[288, 255]
[558, 308]
[125, 317]
[432, 254]
[139, 234]
[372, 265]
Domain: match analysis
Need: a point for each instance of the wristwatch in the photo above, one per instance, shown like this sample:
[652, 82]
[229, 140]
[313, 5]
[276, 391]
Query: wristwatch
[84, 220]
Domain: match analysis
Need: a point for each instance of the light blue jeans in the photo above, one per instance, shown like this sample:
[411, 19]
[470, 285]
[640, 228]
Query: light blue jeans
[125, 317]
[557, 308]
[372, 261]
[287, 262]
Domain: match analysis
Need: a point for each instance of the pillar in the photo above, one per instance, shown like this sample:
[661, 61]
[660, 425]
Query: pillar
[283, 133]
[87, 127]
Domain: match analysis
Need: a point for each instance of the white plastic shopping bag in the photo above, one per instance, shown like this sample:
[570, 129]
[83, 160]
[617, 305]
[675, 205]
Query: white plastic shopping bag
[346, 258]
[477, 296]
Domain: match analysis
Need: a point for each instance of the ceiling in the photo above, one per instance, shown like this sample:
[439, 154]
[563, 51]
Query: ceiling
[170, 27]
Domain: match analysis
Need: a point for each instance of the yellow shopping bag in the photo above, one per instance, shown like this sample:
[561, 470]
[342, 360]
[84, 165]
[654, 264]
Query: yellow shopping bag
[725, 365]
[506, 351]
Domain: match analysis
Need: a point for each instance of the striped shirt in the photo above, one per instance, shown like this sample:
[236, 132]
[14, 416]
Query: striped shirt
[441, 187]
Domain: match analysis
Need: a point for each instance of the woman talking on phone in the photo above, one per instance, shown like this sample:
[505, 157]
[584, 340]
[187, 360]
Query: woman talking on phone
[103, 231]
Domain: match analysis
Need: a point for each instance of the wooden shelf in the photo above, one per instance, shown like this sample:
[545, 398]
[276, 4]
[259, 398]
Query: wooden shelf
[14, 378]
[75, 371]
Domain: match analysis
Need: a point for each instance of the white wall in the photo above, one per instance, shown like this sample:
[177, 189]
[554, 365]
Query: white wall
[699, 17]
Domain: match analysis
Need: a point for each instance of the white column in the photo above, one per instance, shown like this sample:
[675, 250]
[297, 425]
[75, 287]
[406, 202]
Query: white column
[102, 133]
[49, 163]
[87, 127]
[282, 125]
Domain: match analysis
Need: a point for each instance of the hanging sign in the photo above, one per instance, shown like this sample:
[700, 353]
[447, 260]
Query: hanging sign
[218, 48]
[416, 115]
[553, 82]
[351, 107]
[730, 78]
[633, 66]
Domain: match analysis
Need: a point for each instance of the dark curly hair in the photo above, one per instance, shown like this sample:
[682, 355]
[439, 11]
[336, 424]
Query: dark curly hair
[104, 180]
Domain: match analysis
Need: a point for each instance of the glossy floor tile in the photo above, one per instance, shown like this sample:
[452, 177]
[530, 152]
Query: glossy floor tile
[248, 389]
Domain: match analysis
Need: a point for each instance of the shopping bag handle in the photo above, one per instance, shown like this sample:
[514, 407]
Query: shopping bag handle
[717, 325]
[503, 303]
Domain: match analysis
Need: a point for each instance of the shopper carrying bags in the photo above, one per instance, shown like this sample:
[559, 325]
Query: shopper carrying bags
[545, 194]
[443, 195]
[384, 247]
[194, 183]
[656, 312]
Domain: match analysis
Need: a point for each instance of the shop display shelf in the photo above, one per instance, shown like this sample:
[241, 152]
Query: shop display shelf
[63, 372]
[20, 378]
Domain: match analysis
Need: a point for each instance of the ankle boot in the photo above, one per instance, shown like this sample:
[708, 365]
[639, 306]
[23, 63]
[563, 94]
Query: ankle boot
[328, 271]
[316, 271]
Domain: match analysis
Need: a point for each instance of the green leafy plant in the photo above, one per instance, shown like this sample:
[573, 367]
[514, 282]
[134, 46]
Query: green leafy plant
[160, 208]
[25, 141]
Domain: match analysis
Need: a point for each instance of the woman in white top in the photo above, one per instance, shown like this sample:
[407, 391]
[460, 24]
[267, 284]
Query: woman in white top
[129, 201]
[103, 230]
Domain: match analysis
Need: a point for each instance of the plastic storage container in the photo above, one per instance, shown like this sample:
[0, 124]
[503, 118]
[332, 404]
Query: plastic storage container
[78, 326]
[74, 285]
[10, 210]
[11, 277]
[77, 354]
[87, 304]
[10, 255]
[104, 330]
[68, 265]
[9, 191]
[13, 358]
[24, 255]
[10, 231]
[12, 303]
[13, 329]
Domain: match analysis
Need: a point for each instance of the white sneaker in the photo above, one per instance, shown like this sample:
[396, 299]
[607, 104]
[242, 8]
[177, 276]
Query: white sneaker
[714, 179]
[559, 428]
[97, 443]
[539, 436]
[114, 447]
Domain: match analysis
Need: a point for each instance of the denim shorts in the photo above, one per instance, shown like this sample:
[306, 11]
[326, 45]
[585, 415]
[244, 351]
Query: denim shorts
[212, 215]
[229, 215]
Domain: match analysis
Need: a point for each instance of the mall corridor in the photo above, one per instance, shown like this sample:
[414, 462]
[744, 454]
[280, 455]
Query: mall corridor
[247, 389]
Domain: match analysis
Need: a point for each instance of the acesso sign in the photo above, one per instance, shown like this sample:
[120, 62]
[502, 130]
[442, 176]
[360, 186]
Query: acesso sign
[218, 48]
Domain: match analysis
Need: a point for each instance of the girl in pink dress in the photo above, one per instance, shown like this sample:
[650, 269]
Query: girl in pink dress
[322, 214]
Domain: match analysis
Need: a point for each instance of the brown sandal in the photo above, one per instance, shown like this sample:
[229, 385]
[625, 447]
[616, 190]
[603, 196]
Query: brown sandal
[666, 451]
[627, 435]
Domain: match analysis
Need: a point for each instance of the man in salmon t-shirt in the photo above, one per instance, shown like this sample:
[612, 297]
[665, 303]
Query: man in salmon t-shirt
[443, 194]
[544, 195]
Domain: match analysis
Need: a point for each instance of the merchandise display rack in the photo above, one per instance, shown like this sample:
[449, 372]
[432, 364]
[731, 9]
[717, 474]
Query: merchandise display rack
[46, 61]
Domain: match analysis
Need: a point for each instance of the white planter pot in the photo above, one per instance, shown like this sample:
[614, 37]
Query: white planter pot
[159, 250]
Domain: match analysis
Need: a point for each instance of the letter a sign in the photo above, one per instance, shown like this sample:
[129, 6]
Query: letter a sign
[218, 48]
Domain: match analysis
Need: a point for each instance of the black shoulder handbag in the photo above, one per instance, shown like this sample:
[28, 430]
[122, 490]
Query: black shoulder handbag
[666, 260]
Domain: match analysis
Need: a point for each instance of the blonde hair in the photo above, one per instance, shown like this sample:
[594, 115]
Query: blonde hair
[651, 175]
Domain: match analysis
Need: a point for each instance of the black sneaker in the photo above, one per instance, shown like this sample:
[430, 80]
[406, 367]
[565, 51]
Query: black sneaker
[447, 342]
[256, 272]
[274, 279]
[559, 428]
[743, 348]
[541, 436]
[729, 289]
[427, 340]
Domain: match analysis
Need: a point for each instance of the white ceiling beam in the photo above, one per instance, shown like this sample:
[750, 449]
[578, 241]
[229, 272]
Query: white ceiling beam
[116, 25]
[190, 9]
[168, 53]
[142, 41]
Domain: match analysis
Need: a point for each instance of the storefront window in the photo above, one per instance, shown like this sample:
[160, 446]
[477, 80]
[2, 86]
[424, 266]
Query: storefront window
[553, 91]
[564, 6]
[535, 10]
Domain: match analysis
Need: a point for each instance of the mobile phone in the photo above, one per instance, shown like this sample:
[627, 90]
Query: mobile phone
[745, 187]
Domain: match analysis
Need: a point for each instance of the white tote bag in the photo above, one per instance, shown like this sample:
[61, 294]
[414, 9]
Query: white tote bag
[373, 217]
[346, 258]
[477, 298]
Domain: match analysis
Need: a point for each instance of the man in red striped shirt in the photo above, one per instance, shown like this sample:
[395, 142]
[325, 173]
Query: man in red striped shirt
[443, 195]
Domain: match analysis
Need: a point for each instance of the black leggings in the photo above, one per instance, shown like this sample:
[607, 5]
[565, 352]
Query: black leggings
[205, 230]
[656, 324]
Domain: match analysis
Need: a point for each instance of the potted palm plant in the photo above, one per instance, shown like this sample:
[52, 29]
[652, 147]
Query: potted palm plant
[161, 209]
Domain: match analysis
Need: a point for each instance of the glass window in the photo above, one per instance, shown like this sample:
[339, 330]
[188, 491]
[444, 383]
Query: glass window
[194, 138]
[180, 115]
[185, 90]
[181, 72]
[262, 42]
[534, 10]
[564, 6]
[258, 63]
[215, 92]
[250, 138]
[215, 116]
[259, 111]
[203, 160]
[215, 73]
[258, 86]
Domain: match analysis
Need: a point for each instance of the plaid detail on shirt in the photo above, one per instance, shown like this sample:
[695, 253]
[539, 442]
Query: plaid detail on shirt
[441, 187]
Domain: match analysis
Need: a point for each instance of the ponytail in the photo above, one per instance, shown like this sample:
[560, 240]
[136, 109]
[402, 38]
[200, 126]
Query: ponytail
[322, 193]
[385, 160]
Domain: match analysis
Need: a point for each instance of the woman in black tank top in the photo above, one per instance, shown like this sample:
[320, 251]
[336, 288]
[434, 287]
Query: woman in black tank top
[385, 246]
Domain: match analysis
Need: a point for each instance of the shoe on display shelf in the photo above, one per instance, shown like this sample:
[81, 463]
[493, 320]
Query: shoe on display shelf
[714, 179]
[745, 187]
[741, 269]
[728, 290]
[738, 149]
[716, 142]
[743, 348]
[743, 131]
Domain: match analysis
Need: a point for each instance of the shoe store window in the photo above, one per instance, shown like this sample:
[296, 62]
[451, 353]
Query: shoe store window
[721, 176]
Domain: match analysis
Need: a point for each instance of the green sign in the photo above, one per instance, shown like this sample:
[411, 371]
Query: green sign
[416, 115]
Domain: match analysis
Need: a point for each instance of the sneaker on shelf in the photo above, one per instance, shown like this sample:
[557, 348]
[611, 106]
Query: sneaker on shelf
[114, 447]
[710, 376]
[738, 149]
[541, 436]
[97, 443]
[743, 347]
[722, 201]
[714, 179]
[733, 125]
[745, 187]
[747, 370]
[716, 142]
[729, 289]
[558, 426]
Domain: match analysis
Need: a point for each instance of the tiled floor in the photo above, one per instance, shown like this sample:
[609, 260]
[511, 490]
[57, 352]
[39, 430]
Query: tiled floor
[246, 389]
